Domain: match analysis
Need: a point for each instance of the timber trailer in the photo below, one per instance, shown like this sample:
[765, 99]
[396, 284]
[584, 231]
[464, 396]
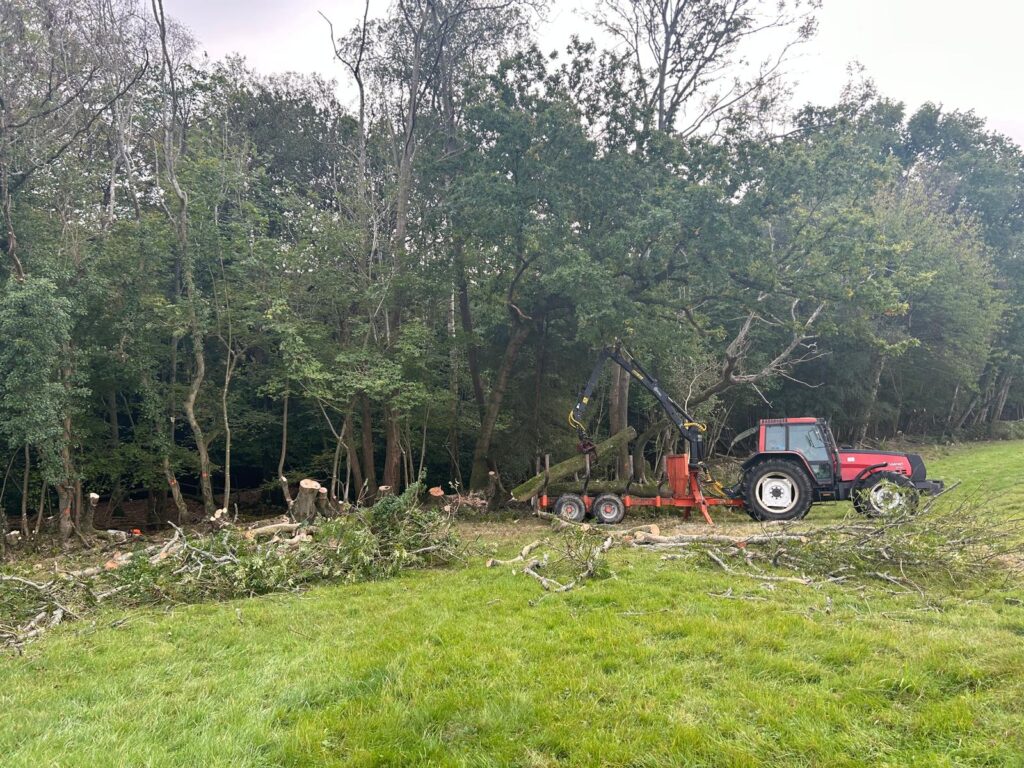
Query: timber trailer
[797, 463]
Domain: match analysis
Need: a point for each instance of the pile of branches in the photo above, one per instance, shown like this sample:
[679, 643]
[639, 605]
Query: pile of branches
[363, 544]
[573, 554]
[948, 543]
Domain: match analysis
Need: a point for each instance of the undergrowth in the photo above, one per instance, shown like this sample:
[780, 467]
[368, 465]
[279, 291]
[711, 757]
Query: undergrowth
[362, 545]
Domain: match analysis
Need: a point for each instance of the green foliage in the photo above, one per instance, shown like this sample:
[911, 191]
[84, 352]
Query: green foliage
[866, 252]
[395, 534]
[35, 324]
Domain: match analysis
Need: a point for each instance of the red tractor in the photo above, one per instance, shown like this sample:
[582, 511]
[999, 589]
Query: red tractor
[796, 464]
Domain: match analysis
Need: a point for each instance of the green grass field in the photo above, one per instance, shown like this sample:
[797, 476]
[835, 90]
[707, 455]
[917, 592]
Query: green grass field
[663, 664]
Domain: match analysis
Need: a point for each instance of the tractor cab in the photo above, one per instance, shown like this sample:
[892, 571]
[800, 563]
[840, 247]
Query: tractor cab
[809, 437]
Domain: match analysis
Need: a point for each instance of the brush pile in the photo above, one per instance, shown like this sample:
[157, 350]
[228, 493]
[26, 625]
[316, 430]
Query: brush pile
[949, 543]
[359, 545]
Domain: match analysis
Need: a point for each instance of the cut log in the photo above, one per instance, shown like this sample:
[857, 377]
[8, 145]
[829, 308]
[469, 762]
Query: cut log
[270, 530]
[303, 509]
[608, 449]
[642, 538]
[594, 487]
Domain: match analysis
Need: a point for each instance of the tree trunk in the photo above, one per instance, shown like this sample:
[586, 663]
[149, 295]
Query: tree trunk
[352, 463]
[199, 357]
[640, 464]
[229, 369]
[369, 467]
[1004, 393]
[876, 380]
[39, 511]
[472, 352]
[339, 442]
[179, 500]
[24, 493]
[610, 447]
[952, 409]
[618, 416]
[482, 453]
[393, 450]
[3, 509]
[65, 524]
[117, 490]
[538, 384]
[985, 397]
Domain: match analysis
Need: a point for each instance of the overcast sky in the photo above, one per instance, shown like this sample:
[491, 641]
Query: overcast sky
[961, 55]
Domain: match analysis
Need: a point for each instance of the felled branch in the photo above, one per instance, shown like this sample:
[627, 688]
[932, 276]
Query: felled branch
[521, 557]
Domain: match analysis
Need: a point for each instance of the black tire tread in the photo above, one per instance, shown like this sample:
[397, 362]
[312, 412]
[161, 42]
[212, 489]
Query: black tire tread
[869, 482]
[560, 504]
[603, 497]
[794, 470]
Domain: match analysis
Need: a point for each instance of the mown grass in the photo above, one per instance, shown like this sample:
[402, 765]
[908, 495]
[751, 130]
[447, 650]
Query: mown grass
[663, 664]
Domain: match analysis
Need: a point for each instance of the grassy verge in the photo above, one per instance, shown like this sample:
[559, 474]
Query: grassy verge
[661, 665]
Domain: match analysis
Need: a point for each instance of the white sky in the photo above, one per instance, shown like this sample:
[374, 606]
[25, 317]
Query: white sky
[961, 55]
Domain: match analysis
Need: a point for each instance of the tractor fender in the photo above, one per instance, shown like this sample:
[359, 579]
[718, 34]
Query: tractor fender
[867, 471]
[757, 458]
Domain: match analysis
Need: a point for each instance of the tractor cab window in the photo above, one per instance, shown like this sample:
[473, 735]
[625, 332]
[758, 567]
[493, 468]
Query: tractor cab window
[775, 438]
[808, 440]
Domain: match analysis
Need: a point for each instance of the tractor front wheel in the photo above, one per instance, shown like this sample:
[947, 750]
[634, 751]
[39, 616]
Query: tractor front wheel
[885, 494]
[777, 489]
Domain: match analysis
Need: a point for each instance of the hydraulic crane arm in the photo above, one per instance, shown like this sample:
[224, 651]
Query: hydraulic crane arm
[691, 431]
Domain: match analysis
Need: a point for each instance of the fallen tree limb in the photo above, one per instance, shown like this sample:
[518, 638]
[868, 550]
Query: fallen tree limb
[27, 582]
[521, 557]
[642, 538]
[548, 585]
[607, 449]
[270, 530]
[759, 576]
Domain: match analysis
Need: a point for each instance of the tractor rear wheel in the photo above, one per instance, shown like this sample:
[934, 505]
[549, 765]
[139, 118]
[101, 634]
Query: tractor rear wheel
[571, 507]
[608, 509]
[777, 489]
[885, 494]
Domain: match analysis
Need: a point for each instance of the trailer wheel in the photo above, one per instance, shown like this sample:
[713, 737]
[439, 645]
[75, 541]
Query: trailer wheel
[777, 489]
[885, 494]
[608, 509]
[571, 507]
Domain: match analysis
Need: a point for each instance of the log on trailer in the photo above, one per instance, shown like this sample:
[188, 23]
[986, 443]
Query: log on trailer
[605, 450]
[595, 487]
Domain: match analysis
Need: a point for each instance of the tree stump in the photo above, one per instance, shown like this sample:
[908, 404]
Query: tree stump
[323, 503]
[303, 509]
[88, 521]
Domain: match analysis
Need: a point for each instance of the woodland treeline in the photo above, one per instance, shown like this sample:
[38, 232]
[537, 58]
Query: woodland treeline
[212, 278]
